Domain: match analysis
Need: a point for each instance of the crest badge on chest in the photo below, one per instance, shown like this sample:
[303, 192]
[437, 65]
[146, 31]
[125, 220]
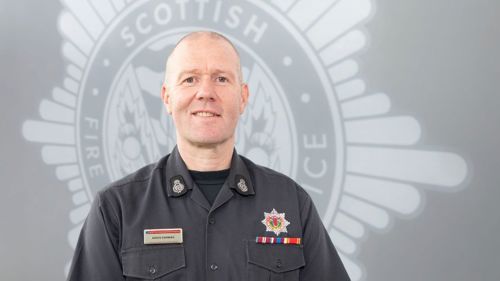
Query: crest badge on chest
[275, 222]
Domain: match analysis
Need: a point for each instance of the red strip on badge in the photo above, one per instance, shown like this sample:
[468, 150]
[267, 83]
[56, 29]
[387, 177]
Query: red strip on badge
[163, 231]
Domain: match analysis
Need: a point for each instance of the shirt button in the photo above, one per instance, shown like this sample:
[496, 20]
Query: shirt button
[214, 267]
[152, 270]
[278, 263]
[211, 220]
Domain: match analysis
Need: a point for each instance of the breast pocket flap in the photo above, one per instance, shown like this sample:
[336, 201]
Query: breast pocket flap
[152, 262]
[278, 258]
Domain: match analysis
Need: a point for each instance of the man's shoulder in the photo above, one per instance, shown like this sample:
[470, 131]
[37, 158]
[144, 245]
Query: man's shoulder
[135, 180]
[271, 178]
[263, 171]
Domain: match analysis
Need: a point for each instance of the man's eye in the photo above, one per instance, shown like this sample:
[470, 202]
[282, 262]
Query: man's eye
[189, 80]
[221, 79]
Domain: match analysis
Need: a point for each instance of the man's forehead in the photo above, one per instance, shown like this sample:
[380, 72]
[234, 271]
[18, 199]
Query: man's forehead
[202, 46]
[206, 36]
[215, 57]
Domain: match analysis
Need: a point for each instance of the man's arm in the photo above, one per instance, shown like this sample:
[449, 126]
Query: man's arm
[322, 260]
[96, 255]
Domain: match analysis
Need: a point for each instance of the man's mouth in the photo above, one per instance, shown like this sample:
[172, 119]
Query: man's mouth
[205, 114]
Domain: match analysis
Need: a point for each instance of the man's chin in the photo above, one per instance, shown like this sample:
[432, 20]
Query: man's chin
[210, 143]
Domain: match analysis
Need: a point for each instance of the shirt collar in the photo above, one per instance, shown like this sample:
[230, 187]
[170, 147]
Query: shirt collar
[179, 181]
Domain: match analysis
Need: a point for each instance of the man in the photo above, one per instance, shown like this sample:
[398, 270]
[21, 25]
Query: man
[204, 212]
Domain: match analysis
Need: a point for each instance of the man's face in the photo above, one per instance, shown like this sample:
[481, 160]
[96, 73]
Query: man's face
[204, 92]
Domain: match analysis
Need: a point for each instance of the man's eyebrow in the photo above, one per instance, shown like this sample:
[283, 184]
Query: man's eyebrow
[222, 71]
[215, 71]
[188, 71]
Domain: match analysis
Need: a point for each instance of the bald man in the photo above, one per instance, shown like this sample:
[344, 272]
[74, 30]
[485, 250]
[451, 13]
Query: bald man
[203, 212]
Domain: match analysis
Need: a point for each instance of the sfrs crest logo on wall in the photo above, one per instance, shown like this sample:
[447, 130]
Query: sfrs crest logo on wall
[310, 115]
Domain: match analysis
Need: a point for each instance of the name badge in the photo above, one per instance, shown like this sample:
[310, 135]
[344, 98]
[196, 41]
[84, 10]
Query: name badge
[163, 236]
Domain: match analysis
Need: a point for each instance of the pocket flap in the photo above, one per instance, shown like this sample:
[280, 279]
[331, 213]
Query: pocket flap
[276, 257]
[152, 262]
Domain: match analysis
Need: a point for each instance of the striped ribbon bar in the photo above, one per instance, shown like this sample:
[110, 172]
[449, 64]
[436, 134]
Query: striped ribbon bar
[277, 240]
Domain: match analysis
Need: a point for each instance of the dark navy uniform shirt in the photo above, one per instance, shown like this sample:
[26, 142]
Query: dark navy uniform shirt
[219, 240]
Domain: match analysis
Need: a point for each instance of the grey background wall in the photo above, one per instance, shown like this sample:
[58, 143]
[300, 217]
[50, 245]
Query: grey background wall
[437, 63]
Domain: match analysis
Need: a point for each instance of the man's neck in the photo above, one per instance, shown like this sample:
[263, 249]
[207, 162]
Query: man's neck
[206, 158]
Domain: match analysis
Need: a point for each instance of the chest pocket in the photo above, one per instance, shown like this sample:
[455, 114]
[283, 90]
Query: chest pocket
[165, 262]
[274, 262]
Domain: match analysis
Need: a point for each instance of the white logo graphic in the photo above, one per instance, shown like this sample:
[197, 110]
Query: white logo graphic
[310, 116]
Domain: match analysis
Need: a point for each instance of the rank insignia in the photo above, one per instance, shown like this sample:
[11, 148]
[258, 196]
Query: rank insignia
[275, 222]
[242, 185]
[178, 186]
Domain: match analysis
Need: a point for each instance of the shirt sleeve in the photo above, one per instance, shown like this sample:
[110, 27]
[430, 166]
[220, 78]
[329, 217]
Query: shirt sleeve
[96, 255]
[322, 259]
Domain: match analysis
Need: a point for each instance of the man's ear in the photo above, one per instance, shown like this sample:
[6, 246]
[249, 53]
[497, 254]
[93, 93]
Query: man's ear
[165, 97]
[244, 97]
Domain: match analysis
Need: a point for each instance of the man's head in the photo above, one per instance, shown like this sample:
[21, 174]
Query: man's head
[203, 89]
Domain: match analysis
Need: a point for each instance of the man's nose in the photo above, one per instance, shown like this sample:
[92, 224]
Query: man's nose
[206, 90]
